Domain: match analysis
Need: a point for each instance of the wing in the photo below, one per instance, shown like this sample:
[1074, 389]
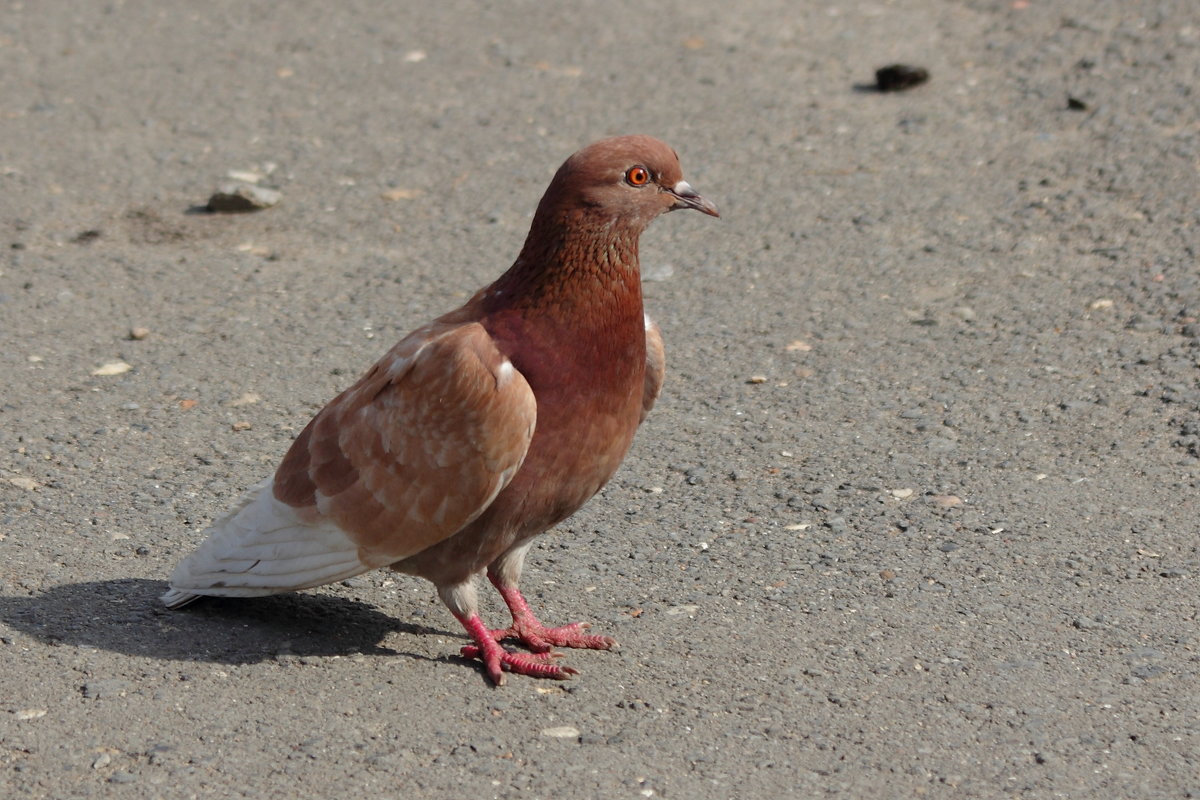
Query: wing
[401, 460]
[656, 367]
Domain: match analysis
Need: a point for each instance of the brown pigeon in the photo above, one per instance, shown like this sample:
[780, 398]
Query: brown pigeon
[480, 430]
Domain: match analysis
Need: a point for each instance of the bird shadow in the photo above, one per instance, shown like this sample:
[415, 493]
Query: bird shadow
[125, 616]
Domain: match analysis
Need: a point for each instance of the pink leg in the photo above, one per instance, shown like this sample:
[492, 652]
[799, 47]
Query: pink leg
[536, 636]
[496, 659]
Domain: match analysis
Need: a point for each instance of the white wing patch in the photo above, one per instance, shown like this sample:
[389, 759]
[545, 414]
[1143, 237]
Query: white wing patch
[264, 547]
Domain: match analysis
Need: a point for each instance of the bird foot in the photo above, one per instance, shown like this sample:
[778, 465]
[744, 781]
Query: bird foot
[528, 630]
[540, 639]
[498, 660]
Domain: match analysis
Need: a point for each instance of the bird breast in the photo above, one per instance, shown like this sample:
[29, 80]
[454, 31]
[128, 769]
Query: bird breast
[588, 383]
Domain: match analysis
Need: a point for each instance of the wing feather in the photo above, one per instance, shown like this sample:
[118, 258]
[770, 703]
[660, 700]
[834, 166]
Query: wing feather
[656, 367]
[419, 447]
[263, 546]
[416, 449]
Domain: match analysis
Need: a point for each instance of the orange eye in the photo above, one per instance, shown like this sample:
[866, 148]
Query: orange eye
[637, 176]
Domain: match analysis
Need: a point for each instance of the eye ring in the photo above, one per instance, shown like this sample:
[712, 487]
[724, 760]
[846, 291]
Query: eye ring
[637, 176]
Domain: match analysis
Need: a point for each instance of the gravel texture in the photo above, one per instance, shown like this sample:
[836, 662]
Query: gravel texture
[915, 516]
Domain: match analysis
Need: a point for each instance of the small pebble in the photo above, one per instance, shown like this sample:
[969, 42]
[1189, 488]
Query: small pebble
[561, 732]
[137, 334]
[87, 237]
[112, 368]
[400, 194]
[899, 77]
[237, 198]
[688, 610]
[106, 687]
[22, 482]
[244, 175]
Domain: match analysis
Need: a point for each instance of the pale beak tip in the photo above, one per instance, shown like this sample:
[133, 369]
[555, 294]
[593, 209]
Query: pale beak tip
[687, 197]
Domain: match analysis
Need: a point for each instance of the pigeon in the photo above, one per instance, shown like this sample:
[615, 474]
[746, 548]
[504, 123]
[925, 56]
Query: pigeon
[479, 431]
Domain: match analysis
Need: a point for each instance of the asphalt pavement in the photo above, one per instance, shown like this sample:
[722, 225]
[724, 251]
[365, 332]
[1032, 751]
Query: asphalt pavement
[915, 516]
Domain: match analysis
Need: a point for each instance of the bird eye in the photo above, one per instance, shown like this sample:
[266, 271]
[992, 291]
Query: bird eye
[637, 176]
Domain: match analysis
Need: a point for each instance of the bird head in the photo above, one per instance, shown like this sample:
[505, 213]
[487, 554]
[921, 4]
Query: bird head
[632, 179]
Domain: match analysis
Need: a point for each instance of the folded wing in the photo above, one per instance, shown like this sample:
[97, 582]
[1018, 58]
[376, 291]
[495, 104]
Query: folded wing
[418, 448]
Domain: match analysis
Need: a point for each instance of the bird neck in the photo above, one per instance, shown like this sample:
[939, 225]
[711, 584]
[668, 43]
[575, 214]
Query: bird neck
[573, 271]
[568, 314]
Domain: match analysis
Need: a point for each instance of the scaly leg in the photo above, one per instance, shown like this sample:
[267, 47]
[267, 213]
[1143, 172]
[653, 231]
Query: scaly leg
[461, 600]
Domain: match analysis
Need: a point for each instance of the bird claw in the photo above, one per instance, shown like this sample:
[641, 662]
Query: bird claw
[537, 665]
[496, 659]
[530, 631]
[541, 639]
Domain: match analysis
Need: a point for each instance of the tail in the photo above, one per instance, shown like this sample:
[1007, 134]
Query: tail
[261, 547]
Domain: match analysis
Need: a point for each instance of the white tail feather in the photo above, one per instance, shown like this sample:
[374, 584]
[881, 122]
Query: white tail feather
[262, 547]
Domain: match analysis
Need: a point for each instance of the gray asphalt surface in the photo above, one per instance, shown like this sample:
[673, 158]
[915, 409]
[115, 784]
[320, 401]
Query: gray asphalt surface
[915, 516]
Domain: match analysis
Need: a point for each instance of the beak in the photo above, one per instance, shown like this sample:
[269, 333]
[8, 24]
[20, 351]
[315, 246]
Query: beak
[687, 197]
